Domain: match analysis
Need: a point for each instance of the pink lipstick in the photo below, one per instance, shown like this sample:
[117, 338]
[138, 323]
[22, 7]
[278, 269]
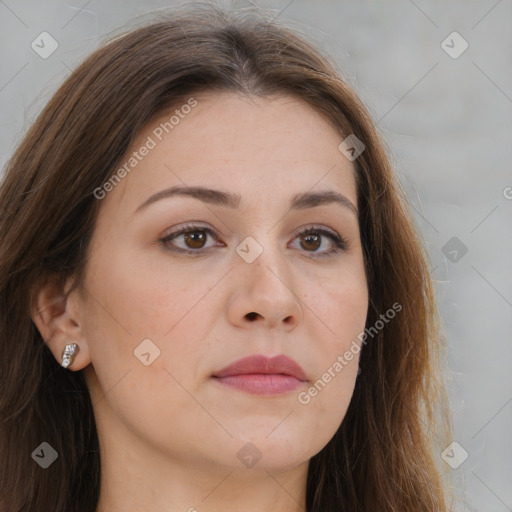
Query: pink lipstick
[260, 375]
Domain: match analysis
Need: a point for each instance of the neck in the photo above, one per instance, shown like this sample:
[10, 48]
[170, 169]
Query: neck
[130, 484]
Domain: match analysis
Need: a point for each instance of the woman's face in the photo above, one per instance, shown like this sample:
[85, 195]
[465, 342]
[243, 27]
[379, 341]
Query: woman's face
[161, 319]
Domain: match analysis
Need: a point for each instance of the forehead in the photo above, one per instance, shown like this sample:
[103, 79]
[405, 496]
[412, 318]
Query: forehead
[260, 148]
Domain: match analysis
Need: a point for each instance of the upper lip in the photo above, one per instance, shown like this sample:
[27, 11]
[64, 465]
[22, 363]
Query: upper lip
[280, 364]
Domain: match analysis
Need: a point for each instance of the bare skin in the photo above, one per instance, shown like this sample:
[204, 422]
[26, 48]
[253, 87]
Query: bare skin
[170, 434]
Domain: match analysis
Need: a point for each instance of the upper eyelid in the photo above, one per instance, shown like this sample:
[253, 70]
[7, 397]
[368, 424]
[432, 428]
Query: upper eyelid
[191, 227]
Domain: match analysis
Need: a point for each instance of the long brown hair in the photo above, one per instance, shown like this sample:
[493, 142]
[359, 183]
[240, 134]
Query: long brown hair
[381, 458]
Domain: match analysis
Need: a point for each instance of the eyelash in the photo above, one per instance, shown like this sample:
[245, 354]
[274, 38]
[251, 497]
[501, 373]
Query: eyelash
[339, 242]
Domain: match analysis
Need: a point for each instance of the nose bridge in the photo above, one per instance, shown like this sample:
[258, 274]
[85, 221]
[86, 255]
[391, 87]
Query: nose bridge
[265, 259]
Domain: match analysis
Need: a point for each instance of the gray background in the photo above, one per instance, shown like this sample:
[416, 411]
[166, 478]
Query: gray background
[447, 123]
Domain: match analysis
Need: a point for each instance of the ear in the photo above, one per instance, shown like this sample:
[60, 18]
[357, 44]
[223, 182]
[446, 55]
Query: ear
[56, 313]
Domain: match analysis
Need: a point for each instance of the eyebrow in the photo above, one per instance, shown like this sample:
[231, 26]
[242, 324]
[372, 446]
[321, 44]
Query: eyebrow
[230, 200]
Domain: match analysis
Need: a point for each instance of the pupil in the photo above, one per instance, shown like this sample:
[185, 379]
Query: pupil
[313, 238]
[196, 237]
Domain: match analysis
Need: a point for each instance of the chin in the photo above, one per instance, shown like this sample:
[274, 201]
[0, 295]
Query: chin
[273, 453]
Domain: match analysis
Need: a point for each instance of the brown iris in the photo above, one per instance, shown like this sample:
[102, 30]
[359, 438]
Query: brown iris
[310, 238]
[195, 239]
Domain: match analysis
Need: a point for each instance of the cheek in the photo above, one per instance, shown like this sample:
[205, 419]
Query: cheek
[135, 302]
[342, 309]
[131, 303]
[146, 299]
[340, 306]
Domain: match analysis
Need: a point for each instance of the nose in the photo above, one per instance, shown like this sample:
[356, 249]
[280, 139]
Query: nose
[263, 294]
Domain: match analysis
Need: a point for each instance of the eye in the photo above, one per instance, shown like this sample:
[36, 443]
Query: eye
[311, 239]
[193, 237]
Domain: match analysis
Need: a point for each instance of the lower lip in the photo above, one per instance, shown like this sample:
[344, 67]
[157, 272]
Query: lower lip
[261, 384]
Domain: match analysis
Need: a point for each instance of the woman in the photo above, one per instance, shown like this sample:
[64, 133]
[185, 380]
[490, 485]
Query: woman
[212, 292]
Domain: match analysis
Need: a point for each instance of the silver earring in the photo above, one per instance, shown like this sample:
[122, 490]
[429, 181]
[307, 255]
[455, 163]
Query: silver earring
[68, 354]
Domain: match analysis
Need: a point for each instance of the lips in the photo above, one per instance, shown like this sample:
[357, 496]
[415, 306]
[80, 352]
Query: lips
[260, 375]
[259, 364]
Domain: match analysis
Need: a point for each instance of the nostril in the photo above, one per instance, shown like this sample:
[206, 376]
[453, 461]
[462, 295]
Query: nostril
[252, 316]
